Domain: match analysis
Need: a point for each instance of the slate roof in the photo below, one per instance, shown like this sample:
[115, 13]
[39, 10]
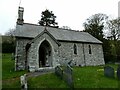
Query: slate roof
[31, 31]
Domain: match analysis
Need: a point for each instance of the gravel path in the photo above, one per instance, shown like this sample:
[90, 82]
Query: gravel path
[40, 72]
[34, 74]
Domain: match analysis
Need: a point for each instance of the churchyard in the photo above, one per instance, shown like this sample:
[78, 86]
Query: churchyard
[83, 77]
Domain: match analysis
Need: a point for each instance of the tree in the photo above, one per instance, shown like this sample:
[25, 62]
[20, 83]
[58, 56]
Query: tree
[48, 19]
[10, 32]
[8, 44]
[118, 50]
[108, 57]
[113, 27]
[8, 41]
[95, 25]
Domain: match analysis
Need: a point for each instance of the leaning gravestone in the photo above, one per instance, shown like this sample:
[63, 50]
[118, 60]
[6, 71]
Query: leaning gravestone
[67, 76]
[109, 72]
[59, 71]
[118, 72]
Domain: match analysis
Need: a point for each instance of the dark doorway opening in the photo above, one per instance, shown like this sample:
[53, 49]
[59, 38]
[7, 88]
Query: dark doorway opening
[41, 57]
[44, 54]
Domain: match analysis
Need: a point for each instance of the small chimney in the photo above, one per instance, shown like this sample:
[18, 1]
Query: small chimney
[20, 19]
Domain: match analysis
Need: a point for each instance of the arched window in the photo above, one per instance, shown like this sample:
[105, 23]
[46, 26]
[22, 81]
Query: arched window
[90, 50]
[75, 49]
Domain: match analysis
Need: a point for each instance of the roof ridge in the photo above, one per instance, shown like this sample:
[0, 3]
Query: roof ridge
[31, 24]
[53, 27]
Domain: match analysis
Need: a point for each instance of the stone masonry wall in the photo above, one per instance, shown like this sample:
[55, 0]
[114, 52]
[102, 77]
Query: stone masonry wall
[59, 55]
[20, 55]
[33, 53]
[66, 53]
[96, 57]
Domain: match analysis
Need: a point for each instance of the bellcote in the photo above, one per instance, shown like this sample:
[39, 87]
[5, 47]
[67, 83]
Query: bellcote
[20, 19]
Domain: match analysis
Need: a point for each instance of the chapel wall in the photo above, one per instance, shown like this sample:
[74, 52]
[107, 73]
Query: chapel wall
[20, 55]
[83, 57]
[66, 53]
[96, 57]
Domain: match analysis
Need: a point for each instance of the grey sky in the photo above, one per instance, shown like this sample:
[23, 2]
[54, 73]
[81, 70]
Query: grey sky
[72, 13]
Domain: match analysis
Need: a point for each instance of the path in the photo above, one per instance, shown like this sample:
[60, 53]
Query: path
[40, 72]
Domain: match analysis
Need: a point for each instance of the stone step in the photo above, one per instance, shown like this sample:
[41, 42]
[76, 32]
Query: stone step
[40, 71]
[46, 69]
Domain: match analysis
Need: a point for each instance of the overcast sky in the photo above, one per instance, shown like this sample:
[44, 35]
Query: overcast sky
[72, 13]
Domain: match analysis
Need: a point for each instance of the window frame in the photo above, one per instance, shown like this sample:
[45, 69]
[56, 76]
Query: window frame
[90, 51]
[75, 49]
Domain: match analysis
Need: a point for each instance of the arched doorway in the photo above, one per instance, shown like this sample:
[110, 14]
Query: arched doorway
[45, 56]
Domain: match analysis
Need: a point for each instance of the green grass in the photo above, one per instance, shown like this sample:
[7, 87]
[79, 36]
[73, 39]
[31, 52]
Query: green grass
[46, 81]
[8, 70]
[84, 77]
[11, 83]
[10, 77]
[92, 77]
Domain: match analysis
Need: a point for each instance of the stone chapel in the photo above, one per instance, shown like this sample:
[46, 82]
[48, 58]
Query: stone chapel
[39, 46]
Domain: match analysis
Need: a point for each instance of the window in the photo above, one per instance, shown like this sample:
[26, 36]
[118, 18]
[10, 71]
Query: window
[75, 49]
[90, 50]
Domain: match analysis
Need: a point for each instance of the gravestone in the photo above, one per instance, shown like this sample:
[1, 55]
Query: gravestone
[67, 76]
[71, 63]
[23, 81]
[59, 71]
[109, 72]
[118, 72]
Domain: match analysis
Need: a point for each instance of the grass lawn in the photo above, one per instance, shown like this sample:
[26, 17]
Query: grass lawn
[93, 77]
[84, 77]
[46, 81]
[10, 78]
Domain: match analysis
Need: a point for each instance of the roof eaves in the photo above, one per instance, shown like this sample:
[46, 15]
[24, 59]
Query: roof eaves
[80, 41]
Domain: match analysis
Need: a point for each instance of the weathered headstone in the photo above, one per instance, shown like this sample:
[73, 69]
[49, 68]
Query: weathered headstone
[59, 71]
[118, 72]
[23, 82]
[67, 76]
[109, 72]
